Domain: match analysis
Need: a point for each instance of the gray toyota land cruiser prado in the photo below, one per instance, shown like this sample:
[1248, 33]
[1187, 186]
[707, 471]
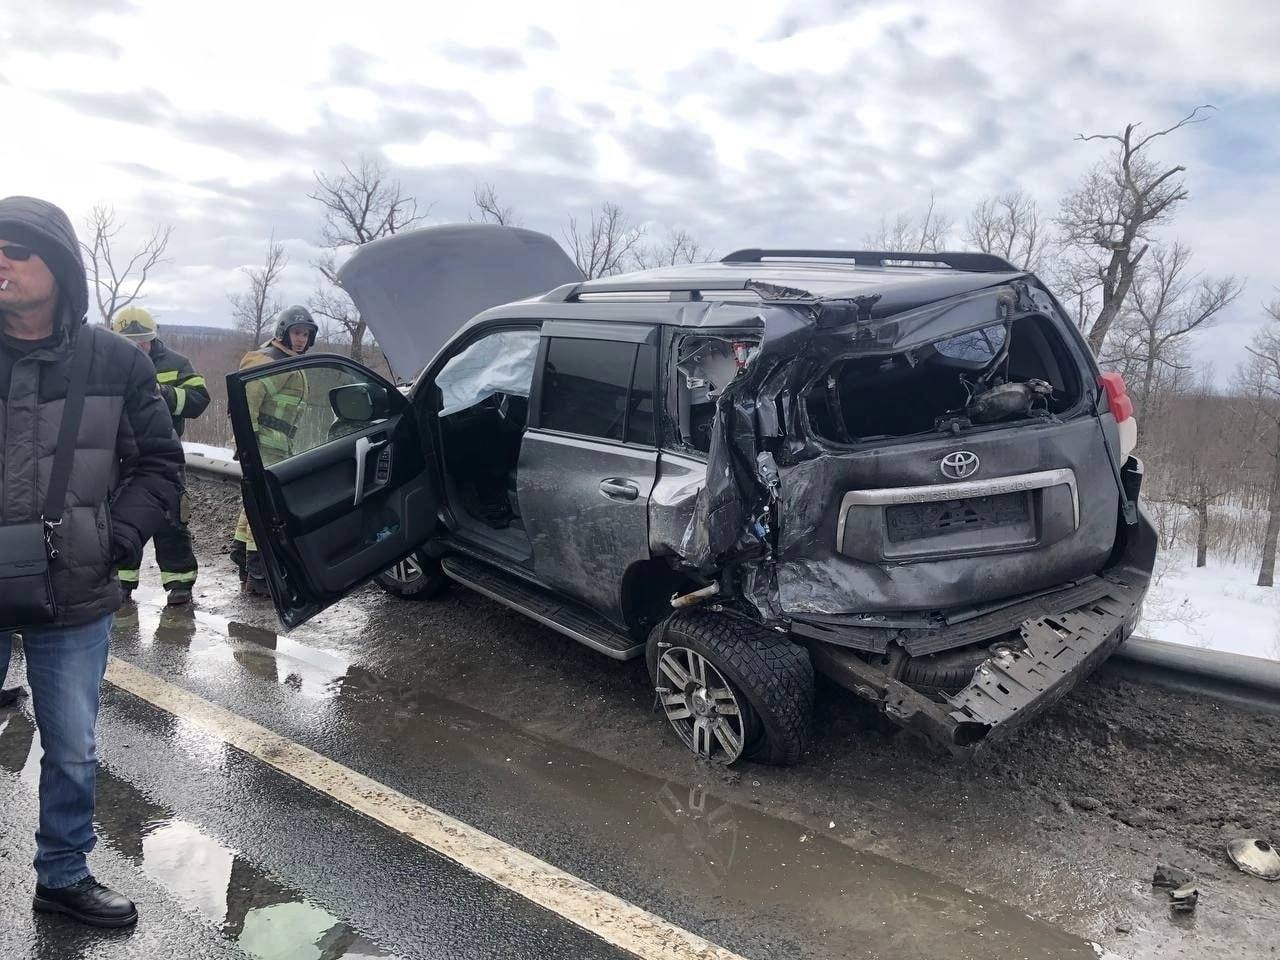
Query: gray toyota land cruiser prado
[904, 471]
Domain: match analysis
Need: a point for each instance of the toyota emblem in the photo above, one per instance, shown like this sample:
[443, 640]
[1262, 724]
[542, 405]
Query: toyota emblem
[959, 465]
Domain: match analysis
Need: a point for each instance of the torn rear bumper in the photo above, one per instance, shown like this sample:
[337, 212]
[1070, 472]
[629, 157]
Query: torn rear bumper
[1061, 648]
[1007, 691]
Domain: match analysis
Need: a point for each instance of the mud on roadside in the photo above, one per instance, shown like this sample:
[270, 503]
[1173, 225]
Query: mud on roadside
[1067, 820]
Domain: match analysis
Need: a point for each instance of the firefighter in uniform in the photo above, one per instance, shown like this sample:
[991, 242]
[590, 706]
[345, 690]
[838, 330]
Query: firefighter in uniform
[275, 408]
[186, 395]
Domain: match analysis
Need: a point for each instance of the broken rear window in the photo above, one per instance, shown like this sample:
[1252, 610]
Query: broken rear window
[1001, 373]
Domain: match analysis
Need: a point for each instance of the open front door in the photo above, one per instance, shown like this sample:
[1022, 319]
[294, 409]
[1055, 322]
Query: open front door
[337, 485]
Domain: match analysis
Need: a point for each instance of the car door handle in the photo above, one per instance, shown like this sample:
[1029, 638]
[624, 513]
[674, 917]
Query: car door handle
[363, 446]
[616, 489]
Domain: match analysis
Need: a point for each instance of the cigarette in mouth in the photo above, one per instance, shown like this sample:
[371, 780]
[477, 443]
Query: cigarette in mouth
[4, 284]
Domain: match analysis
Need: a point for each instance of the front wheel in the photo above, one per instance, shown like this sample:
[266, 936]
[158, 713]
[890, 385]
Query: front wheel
[416, 577]
[732, 688]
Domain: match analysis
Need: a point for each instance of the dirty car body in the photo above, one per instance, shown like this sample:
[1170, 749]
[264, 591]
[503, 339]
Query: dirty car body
[907, 469]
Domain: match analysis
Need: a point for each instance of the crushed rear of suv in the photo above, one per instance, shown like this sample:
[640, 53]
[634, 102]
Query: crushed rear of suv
[904, 471]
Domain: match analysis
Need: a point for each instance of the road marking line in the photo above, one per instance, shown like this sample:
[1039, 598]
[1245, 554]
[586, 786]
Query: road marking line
[611, 918]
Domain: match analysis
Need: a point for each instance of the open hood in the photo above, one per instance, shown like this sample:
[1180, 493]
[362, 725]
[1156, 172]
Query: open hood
[417, 289]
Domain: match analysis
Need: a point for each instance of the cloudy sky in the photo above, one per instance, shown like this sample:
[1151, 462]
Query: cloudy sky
[747, 124]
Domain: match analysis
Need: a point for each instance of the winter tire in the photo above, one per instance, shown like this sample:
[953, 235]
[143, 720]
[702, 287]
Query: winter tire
[732, 689]
[416, 577]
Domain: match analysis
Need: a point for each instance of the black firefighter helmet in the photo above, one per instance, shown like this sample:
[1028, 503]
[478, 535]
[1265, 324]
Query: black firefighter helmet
[295, 316]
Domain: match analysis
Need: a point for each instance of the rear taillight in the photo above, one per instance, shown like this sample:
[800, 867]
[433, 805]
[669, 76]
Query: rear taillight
[1117, 397]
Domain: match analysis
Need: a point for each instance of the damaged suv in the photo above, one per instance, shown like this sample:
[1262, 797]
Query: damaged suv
[903, 471]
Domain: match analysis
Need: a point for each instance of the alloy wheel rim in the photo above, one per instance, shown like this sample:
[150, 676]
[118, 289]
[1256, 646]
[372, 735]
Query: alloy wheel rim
[406, 571]
[701, 705]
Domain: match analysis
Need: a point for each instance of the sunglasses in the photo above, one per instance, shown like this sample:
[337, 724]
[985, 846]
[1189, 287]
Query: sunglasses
[16, 252]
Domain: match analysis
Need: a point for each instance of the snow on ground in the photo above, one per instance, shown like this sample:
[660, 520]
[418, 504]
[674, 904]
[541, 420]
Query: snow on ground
[1218, 606]
[204, 449]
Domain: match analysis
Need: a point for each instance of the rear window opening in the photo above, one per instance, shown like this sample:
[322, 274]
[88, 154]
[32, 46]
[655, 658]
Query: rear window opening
[1003, 373]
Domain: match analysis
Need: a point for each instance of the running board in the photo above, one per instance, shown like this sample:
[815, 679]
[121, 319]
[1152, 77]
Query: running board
[564, 616]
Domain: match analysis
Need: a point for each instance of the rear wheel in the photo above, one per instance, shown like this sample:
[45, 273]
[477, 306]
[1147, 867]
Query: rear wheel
[416, 577]
[732, 688]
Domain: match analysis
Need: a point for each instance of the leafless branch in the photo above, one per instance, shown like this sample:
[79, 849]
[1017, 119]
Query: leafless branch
[253, 309]
[490, 207]
[910, 234]
[360, 205]
[605, 245]
[1010, 226]
[1108, 218]
[118, 282]
[677, 247]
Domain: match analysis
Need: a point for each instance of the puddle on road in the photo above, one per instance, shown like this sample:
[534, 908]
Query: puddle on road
[265, 918]
[731, 864]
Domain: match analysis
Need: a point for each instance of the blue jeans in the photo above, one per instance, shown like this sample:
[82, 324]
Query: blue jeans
[64, 671]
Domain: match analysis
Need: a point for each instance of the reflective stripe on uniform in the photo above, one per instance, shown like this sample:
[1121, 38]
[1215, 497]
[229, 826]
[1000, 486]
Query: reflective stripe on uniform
[279, 426]
[179, 400]
[128, 576]
[168, 578]
[166, 376]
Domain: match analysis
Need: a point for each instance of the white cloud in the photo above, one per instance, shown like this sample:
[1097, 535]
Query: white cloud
[751, 126]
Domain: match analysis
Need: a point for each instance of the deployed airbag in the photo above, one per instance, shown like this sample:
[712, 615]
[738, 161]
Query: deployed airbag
[500, 363]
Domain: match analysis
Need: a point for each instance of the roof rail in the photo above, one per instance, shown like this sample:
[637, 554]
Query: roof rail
[970, 262]
[679, 289]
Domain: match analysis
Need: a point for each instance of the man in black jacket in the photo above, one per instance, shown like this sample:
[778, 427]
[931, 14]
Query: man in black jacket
[186, 396]
[123, 488]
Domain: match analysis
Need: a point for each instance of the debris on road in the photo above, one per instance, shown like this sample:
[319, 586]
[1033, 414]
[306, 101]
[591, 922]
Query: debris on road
[1185, 898]
[1171, 877]
[1255, 857]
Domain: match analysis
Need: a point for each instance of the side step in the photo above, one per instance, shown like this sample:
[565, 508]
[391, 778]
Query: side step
[565, 616]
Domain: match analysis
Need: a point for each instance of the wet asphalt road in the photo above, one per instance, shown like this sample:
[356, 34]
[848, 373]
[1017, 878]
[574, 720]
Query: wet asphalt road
[228, 857]
[870, 849]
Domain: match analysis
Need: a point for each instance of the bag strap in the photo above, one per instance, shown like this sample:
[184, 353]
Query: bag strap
[72, 407]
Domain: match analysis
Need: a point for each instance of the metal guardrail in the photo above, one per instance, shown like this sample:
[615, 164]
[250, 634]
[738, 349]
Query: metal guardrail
[218, 466]
[1230, 677]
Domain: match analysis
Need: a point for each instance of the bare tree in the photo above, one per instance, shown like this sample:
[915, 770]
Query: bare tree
[1206, 456]
[1010, 226]
[1169, 302]
[606, 245]
[1263, 381]
[911, 234]
[359, 205]
[252, 310]
[1109, 216]
[490, 207]
[1075, 279]
[117, 279]
[677, 247]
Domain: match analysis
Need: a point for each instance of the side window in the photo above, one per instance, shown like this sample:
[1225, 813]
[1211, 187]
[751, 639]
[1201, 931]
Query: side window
[640, 414]
[299, 410]
[585, 385]
[501, 363]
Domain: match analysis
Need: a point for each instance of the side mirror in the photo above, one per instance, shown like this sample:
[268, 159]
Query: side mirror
[359, 402]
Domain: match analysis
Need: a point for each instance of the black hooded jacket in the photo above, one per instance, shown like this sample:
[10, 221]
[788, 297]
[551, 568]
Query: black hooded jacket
[125, 477]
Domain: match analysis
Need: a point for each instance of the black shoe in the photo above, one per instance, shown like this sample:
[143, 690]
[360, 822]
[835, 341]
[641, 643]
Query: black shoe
[87, 901]
[179, 596]
[126, 593]
[257, 586]
[11, 696]
[238, 554]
